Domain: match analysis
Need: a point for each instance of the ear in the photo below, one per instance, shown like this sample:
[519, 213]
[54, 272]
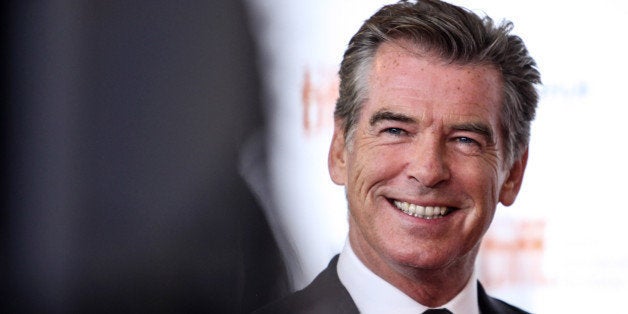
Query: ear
[511, 186]
[337, 158]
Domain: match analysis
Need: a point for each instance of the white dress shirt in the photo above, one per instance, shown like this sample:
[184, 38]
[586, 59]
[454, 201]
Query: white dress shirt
[374, 295]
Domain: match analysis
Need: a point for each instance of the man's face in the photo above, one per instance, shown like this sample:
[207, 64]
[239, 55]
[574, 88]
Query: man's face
[425, 169]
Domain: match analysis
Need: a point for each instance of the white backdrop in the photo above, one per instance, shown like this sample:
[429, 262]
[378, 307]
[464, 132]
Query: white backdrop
[560, 247]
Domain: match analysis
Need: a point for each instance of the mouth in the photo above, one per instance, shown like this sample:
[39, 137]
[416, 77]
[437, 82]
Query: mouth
[424, 212]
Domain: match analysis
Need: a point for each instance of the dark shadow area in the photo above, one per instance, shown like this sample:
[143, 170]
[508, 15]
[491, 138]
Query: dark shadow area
[121, 133]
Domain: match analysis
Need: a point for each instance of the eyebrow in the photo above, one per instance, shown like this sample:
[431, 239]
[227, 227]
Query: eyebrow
[385, 115]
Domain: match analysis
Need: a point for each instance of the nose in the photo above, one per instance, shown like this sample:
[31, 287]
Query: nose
[427, 163]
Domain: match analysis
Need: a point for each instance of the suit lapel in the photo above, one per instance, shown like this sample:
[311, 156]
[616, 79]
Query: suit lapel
[489, 305]
[327, 287]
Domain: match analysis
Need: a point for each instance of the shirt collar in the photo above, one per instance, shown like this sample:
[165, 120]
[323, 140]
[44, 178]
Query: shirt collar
[372, 294]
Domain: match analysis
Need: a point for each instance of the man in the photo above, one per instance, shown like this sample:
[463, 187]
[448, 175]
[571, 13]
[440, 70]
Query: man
[431, 133]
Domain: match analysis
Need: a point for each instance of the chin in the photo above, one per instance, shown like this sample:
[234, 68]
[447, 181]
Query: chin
[428, 258]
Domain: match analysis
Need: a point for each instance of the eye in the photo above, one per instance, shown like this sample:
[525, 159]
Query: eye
[468, 145]
[467, 140]
[394, 131]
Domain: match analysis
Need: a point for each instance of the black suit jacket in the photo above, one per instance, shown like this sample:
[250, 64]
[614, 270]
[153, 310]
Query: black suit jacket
[327, 295]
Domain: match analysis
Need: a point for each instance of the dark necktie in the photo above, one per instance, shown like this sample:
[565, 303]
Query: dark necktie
[437, 311]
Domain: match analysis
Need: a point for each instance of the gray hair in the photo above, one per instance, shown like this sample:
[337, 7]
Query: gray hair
[458, 36]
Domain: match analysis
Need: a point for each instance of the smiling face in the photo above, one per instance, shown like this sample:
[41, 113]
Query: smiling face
[424, 169]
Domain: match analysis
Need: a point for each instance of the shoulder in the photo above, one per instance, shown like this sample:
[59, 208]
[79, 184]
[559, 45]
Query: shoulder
[490, 305]
[325, 294]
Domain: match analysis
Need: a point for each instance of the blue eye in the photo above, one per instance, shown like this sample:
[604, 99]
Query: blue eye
[467, 140]
[468, 145]
[394, 131]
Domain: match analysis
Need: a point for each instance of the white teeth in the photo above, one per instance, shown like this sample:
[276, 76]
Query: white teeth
[429, 212]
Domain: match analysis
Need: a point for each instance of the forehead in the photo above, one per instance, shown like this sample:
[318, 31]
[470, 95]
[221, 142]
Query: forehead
[403, 75]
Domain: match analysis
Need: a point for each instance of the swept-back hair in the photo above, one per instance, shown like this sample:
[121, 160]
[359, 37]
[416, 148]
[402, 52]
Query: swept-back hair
[456, 35]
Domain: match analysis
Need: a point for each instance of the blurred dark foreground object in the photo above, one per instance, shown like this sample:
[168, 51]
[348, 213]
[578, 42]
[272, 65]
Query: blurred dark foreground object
[121, 129]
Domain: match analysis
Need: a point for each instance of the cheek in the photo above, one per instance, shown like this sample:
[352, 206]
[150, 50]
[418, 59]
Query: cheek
[480, 185]
[481, 181]
[376, 164]
[371, 168]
